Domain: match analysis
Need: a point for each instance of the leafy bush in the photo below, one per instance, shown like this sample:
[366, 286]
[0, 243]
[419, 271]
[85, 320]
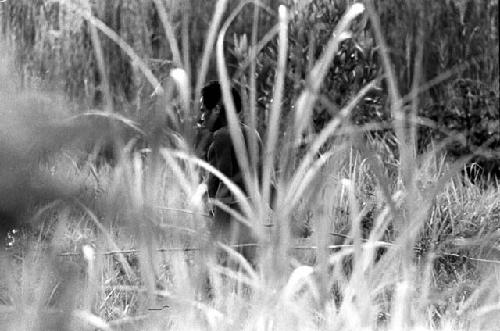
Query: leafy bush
[457, 39]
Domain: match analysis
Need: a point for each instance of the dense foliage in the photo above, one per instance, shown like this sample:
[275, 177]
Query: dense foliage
[418, 244]
[457, 38]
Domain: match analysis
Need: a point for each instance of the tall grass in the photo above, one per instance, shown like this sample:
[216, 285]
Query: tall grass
[389, 228]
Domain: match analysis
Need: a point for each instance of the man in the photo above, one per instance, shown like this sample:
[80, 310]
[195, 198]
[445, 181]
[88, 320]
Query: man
[216, 146]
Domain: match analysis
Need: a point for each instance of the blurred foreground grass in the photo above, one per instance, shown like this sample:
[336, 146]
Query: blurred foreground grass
[366, 234]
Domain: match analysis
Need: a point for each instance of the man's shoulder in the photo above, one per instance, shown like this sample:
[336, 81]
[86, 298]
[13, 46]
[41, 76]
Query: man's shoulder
[223, 133]
[221, 139]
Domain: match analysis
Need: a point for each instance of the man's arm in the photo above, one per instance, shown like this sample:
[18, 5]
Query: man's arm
[220, 157]
[202, 141]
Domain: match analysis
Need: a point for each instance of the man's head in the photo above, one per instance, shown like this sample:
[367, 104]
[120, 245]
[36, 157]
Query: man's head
[213, 114]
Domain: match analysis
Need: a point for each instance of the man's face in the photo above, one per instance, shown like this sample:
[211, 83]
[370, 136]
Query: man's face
[208, 116]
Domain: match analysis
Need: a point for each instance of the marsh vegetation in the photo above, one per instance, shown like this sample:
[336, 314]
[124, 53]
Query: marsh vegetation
[373, 203]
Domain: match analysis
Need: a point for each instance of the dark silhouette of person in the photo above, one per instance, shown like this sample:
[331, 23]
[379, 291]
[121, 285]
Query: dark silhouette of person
[216, 146]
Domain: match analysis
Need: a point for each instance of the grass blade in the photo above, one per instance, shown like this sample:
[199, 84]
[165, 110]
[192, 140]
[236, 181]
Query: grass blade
[273, 125]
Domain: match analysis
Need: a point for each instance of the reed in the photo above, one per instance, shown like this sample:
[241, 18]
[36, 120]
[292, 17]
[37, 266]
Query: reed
[398, 239]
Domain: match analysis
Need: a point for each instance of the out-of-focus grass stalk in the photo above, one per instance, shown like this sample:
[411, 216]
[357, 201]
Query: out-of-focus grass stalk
[307, 99]
[237, 216]
[239, 195]
[143, 225]
[426, 282]
[101, 64]
[179, 173]
[169, 32]
[281, 230]
[307, 178]
[411, 126]
[179, 74]
[111, 116]
[181, 78]
[253, 95]
[91, 290]
[220, 7]
[404, 217]
[362, 259]
[408, 220]
[417, 78]
[411, 149]
[273, 128]
[304, 167]
[235, 129]
[298, 279]
[121, 257]
[487, 285]
[186, 7]
[256, 47]
[136, 60]
[252, 275]
[241, 278]
[91, 319]
[396, 109]
[356, 215]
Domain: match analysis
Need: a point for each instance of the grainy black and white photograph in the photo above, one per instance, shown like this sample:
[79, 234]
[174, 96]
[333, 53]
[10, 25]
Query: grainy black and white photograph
[257, 165]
